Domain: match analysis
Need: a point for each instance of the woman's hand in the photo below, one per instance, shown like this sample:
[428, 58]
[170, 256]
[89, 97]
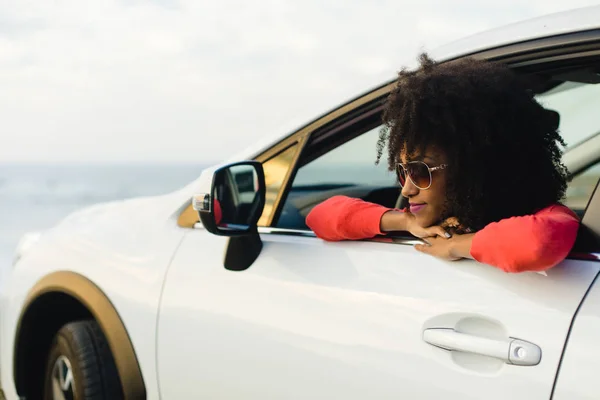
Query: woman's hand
[430, 232]
[401, 221]
[455, 248]
[440, 243]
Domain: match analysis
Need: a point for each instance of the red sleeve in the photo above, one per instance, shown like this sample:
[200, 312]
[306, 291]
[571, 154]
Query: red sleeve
[530, 243]
[346, 218]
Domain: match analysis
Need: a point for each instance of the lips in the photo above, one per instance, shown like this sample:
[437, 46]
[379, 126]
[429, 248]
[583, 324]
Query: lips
[415, 208]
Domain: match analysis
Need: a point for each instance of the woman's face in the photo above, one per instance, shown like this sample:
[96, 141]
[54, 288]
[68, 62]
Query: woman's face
[427, 205]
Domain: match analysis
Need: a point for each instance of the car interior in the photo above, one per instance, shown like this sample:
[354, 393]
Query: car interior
[569, 86]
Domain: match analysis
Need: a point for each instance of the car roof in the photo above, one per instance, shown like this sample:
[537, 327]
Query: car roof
[576, 20]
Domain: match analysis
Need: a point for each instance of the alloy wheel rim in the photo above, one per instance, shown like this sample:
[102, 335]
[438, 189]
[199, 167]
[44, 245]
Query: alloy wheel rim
[63, 384]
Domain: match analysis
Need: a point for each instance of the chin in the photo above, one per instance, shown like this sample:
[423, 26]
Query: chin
[425, 221]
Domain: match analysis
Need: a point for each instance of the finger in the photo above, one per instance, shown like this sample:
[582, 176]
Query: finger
[441, 232]
[423, 248]
[428, 233]
[433, 231]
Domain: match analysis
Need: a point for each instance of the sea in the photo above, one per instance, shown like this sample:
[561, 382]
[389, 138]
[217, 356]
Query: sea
[37, 196]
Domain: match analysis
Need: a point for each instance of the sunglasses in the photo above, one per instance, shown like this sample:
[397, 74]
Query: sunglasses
[418, 172]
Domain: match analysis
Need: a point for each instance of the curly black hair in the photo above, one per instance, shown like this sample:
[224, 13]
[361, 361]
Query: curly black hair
[502, 146]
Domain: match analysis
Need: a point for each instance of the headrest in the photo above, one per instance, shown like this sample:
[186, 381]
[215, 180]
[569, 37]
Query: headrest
[554, 117]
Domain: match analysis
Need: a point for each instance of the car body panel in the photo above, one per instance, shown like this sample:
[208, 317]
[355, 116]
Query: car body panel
[311, 319]
[577, 378]
[32, 325]
[560, 23]
[124, 248]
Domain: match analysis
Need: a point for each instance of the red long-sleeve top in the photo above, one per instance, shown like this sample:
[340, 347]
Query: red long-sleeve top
[529, 243]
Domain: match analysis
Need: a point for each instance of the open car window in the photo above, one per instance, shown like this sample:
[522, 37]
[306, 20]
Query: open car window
[350, 169]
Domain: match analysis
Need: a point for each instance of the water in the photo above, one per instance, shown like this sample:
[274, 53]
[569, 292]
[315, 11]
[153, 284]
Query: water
[34, 197]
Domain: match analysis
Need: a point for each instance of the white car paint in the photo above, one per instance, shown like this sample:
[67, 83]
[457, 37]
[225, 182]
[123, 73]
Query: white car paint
[577, 20]
[124, 248]
[320, 320]
[578, 376]
[349, 319]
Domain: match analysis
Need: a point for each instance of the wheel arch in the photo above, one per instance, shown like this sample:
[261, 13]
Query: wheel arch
[71, 286]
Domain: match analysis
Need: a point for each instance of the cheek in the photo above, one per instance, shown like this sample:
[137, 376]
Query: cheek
[439, 185]
[436, 197]
[436, 194]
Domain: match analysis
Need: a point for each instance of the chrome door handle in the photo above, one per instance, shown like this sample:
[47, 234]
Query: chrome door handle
[510, 350]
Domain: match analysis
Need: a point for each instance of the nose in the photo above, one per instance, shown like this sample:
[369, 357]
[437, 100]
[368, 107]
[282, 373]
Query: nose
[409, 189]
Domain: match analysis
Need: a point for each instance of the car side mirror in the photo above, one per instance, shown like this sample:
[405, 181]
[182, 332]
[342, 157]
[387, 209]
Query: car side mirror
[236, 200]
[233, 208]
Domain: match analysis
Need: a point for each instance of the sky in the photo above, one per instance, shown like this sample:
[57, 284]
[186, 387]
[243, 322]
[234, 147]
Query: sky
[197, 81]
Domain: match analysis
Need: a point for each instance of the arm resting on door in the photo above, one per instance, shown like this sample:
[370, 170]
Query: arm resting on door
[529, 243]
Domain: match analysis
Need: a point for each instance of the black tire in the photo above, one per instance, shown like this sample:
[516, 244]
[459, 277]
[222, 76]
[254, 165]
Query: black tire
[81, 348]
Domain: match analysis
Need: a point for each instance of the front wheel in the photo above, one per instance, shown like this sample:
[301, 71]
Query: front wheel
[80, 365]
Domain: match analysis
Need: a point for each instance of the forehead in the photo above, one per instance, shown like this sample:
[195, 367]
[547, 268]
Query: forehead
[429, 155]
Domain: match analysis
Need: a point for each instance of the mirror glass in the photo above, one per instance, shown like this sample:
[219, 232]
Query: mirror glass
[236, 197]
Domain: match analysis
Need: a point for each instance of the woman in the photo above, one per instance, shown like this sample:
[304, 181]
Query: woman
[478, 159]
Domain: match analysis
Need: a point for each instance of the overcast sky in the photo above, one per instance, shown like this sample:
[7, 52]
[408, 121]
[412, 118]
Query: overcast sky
[195, 80]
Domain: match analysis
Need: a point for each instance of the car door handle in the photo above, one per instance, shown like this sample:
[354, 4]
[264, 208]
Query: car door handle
[510, 350]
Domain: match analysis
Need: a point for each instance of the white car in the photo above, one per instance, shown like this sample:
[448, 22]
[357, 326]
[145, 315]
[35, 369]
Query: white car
[138, 299]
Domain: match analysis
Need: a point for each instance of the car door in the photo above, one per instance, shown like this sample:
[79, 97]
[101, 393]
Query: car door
[364, 319]
[348, 320]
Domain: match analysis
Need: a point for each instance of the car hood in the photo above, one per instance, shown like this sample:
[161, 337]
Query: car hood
[116, 223]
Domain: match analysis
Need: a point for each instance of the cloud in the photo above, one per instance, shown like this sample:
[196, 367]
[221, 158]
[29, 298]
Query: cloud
[166, 80]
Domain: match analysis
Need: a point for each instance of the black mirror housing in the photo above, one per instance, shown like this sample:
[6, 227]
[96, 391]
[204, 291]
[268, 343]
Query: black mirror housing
[236, 200]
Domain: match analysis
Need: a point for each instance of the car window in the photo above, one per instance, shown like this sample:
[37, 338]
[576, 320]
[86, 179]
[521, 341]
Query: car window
[577, 105]
[348, 169]
[581, 187]
[351, 163]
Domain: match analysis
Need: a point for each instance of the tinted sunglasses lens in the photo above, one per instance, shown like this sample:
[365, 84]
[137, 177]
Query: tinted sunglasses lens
[401, 174]
[419, 173]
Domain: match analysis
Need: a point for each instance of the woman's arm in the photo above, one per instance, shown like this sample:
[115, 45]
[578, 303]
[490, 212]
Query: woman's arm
[346, 218]
[530, 243]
